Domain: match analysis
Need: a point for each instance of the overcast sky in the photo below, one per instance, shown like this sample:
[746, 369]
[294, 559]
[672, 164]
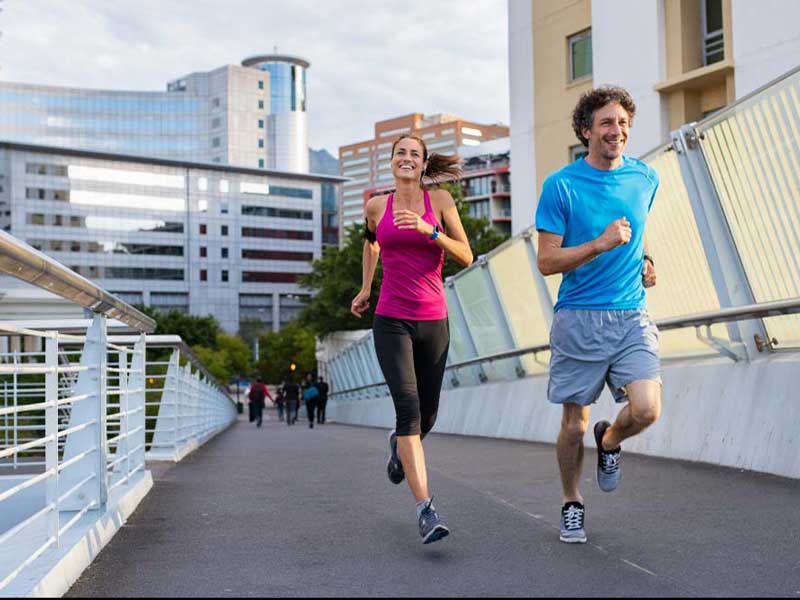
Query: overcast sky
[370, 60]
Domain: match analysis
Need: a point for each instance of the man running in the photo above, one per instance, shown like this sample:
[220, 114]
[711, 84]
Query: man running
[591, 220]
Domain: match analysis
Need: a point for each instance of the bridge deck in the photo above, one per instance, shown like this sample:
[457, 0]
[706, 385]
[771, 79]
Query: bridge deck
[297, 512]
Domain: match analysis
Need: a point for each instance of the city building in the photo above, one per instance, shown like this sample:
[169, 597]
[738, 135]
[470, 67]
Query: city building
[681, 60]
[200, 238]
[252, 116]
[367, 164]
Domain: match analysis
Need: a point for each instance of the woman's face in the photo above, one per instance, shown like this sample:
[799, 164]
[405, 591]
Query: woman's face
[407, 161]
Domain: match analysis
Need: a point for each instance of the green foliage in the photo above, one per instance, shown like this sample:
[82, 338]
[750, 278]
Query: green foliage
[480, 233]
[336, 277]
[195, 331]
[335, 280]
[292, 344]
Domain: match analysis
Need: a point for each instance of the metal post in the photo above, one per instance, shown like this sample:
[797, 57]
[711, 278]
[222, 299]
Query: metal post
[51, 433]
[15, 389]
[545, 301]
[100, 338]
[727, 271]
[503, 322]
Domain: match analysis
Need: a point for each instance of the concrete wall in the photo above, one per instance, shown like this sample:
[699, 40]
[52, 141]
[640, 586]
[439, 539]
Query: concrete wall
[766, 41]
[719, 412]
[640, 76]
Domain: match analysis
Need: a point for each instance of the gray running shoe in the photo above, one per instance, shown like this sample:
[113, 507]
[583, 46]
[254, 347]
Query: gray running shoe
[394, 467]
[608, 469]
[431, 527]
[572, 516]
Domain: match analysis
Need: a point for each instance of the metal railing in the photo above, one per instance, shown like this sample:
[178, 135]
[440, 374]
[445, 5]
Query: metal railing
[75, 431]
[697, 321]
[80, 409]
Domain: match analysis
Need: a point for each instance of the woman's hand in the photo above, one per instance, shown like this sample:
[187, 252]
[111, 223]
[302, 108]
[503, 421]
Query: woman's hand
[408, 219]
[360, 303]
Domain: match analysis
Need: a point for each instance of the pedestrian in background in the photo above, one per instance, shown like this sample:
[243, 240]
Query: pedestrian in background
[257, 397]
[291, 393]
[322, 401]
[310, 396]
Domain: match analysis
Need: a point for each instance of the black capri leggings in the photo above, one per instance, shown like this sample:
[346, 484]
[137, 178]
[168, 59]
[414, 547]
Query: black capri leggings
[412, 356]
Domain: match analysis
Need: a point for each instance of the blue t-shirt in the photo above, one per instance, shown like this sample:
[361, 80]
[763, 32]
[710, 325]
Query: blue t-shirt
[578, 202]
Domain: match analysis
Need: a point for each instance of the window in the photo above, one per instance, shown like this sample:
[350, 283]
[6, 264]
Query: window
[224, 276]
[713, 34]
[261, 123]
[260, 104]
[223, 186]
[260, 84]
[216, 122]
[215, 142]
[203, 275]
[202, 184]
[276, 234]
[74, 221]
[203, 228]
[260, 163]
[224, 230]
[577, 151]
[580, 55]
[203, 252]
[215, 103]
[260, 142]
[223, 207]
[224, 253]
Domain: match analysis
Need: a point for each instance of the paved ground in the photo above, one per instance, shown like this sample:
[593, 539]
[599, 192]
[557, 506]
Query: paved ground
[286, 511]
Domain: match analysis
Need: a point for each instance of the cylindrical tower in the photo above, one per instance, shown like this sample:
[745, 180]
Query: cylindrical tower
[287, 120]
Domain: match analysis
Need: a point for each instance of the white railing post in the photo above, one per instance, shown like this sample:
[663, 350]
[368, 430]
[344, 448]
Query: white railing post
[165, 436]
[138, 382]
[51, 435]
[101, 438]
[87, 442]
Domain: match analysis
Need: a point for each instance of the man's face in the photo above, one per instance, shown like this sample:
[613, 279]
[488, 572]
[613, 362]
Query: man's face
[609, 133]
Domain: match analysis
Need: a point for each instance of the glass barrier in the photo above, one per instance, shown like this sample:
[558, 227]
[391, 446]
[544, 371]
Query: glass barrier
[753, 154]
[684, 284]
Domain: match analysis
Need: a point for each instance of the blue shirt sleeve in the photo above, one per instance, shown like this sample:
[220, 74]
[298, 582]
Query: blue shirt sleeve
[656, 183]
[551, 214]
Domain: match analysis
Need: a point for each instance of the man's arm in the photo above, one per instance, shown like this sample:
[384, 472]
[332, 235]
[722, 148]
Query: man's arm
[553, 258]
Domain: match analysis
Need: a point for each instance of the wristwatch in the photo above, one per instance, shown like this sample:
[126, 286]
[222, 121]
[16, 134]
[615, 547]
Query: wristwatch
[435, 233]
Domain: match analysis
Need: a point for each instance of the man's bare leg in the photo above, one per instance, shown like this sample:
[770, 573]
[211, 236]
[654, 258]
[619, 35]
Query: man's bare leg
[569, 449]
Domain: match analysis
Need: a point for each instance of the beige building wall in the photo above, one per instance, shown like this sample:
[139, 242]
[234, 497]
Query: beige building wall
[554, 95]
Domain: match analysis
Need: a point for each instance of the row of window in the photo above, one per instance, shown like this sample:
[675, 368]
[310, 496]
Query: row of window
[147, 178]
[145, 273]
[121, 224]
[281, 213]
[103, 247]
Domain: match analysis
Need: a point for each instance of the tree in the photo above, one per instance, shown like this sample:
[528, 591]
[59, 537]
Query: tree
[336, 277]
[231, 358]
[294, 344]
[335, 280]
[195, 331]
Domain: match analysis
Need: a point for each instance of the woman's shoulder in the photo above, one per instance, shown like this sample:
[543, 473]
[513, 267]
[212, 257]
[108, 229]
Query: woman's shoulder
[440, 197]
[376, 204]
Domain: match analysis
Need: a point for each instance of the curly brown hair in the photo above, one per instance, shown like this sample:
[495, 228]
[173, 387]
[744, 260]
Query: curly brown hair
[593, 100]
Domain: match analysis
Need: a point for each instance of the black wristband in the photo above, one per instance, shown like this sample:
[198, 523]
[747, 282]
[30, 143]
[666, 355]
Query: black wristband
[650, 258]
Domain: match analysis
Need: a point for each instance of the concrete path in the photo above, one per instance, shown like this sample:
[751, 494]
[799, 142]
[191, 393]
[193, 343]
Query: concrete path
[291, 511]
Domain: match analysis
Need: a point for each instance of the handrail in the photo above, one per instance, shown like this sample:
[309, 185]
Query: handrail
[176, 342]
[20, 260]
[725, 315]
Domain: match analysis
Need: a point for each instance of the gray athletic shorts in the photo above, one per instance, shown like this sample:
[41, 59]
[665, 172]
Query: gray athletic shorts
[593, 347]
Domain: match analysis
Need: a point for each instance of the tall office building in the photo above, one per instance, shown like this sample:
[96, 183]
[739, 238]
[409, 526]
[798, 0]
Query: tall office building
[680, 59]
[196, 237]
[368, 163]
[251, 116]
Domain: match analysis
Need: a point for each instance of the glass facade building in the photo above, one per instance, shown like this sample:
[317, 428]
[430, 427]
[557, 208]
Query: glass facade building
[251, 116]
[196, 237]
[287, 121]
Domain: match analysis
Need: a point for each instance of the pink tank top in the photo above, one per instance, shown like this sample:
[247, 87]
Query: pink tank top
[412, 286]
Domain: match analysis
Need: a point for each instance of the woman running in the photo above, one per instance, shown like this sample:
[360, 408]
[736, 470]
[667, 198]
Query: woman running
[407, 229]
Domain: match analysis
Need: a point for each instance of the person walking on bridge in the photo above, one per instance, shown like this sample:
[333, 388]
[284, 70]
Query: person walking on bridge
[406, 229]
[591, 221]
[257, 397]
[291, 394]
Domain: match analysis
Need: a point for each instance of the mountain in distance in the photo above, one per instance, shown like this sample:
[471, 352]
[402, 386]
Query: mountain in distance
[322, 162]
